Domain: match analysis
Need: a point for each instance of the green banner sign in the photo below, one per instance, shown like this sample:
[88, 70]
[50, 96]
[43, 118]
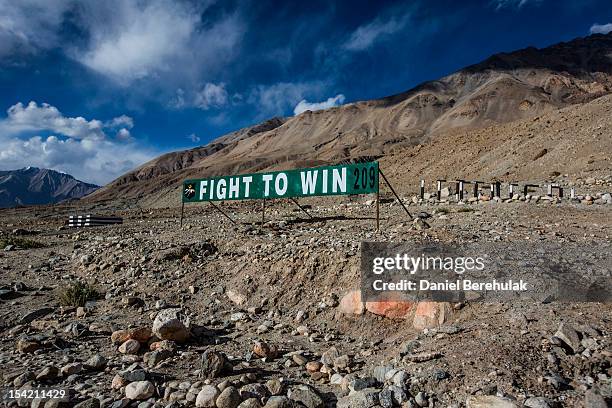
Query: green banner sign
[358, 178]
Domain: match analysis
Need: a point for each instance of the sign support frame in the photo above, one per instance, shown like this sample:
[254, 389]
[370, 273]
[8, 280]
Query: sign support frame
[394, 193]
[301, 208]
[263, 211]
[378, 211]
[222, 212]
[182, 212]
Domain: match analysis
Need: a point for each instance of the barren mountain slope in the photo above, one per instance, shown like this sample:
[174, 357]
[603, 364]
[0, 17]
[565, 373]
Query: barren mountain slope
[32, 185]
[504, 88]
[570, 144]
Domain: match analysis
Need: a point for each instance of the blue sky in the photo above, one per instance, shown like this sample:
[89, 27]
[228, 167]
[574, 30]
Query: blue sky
[97, 88]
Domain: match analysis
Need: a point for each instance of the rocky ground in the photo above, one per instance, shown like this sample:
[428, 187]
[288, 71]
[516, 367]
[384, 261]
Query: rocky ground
[221, 315]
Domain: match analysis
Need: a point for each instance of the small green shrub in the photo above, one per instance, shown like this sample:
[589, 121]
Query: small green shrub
[465, 210]
[20, 243]
[78, 294]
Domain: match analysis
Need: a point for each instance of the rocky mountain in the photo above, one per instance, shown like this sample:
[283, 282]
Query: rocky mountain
[505, 88]
[31, 186]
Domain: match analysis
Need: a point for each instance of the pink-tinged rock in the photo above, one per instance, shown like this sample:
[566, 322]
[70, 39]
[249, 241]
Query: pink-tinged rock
[391, 309]
[131, 346]
[237, 298]
[351, 303]
[140, 334]
[430, 314]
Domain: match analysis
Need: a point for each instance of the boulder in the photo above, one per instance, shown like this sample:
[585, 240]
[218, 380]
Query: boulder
[140, 334]
[139, 390]
[279, 402]
[568, 335]
[593, 399]
[168, 325]
[207, 397]
[213, 364]
[306, 395]
[351, 303]
[390, 309]
[129, 347]
[250, 403]
[265, 350]
[365, 398]
[237, 298]
[430, 314]
[229, 398]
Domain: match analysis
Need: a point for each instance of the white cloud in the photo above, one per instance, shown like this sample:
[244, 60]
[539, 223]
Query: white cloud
[91, 160]
[120, 121]
[194, 138]
[79, 147]
[178, 100]
[125, 40]
[124, 135]
[601, 28]
[29, 25]
[139, 39]
[366, 35]
[211, 96]
[131, 40]
[304, 105]
[276, 99]
[33, 117]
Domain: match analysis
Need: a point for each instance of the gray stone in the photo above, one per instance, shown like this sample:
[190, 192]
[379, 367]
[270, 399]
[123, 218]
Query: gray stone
[399, 394]
[537, 402]
[72, 368]
[213, 363]
[329, 356]
[306, 395]
[568, 335]
[360, 399]
[400, 379]
[47, 373]
[385, 398]
[254, 390]
[380, 373]
[122, 403]
[134, 375]
[35, 314]
[90, 403]
[274, 386]
[489, 401]
[23, 378]
[97, 362]
[153, 358]
[421, 399]
[229, 398]
[592, 399]
[359, 384]
[279, 402]
[250, 403]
